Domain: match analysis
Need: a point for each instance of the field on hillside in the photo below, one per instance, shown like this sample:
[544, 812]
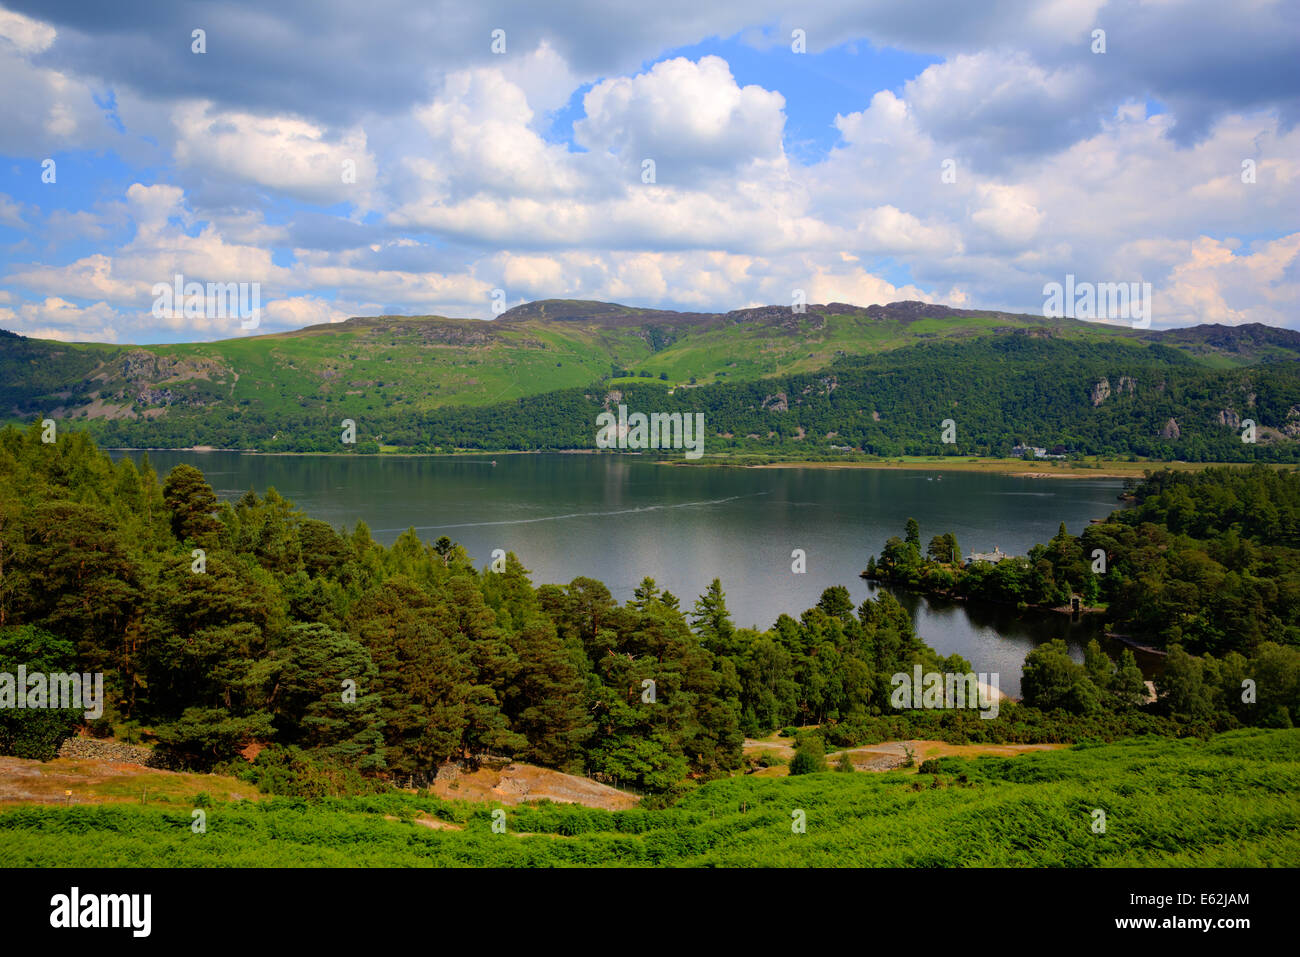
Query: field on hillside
[1230, 801]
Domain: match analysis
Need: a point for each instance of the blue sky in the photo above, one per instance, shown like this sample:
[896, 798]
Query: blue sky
[357, 159]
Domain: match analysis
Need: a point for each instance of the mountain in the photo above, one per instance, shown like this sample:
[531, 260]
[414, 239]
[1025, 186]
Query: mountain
[425, 362]
[436, 381]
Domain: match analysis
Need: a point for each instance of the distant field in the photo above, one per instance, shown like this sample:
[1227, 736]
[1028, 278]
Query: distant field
[1088, 468]
[1227, 802]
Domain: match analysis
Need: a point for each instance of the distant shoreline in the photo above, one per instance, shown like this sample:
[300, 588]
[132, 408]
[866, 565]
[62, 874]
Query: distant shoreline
[1016, 468]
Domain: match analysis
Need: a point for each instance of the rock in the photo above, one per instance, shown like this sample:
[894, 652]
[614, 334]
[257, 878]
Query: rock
[1100, 392]
[95, 749]
[1170, 430]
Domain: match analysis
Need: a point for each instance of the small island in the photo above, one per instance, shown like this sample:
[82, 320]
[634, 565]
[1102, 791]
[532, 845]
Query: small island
[1061, 576]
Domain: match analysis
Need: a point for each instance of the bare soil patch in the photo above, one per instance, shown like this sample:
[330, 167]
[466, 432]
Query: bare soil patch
[517, 783]
[103, 782]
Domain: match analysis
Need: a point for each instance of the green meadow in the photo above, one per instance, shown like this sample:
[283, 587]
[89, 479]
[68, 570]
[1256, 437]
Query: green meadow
[1226, 802]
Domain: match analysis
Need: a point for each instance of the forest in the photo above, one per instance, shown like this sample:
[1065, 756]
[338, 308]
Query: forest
[1208, 560]
[218, 625]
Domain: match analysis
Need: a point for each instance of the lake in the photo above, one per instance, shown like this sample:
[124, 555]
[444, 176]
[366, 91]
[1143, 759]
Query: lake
[620, 518]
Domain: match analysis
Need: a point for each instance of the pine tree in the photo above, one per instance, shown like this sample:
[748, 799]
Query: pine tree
[191, 502]
[1129, 687]
[711, 620]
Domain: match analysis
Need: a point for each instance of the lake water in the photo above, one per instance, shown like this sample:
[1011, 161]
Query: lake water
[620, 518]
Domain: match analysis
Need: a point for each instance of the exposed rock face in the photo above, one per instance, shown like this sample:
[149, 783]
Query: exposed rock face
[156, 397]
[80, 748]
[1102, 390]
[141, 366]
[1171, 430]
[776, 403]
[1229, 418]
[1291, 427]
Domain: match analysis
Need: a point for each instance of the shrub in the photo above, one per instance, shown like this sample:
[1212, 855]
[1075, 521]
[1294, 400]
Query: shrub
[809, 756]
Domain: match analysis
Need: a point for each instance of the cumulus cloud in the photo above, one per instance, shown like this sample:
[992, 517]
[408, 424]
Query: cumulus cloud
[57, 318]
[284, 153]
[686, 116]
[1216, 281]
[45, 110]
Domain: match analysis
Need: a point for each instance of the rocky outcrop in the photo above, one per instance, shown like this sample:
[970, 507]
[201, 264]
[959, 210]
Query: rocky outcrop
[1171, 430]
[95, 749]
[141, 366]
[1102, 390]
[1291, 427]
[1228, 418]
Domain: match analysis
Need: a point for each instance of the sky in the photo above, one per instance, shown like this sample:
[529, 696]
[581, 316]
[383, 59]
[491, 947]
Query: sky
[442, 158]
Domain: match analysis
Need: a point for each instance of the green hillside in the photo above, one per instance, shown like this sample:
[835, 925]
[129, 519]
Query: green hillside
[1225, 802]
[424, 363]
[535, 377]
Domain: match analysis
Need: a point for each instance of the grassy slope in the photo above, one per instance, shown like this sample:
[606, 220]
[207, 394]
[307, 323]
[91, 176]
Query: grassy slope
[278, 371]
[1226, 802]
[744, 353]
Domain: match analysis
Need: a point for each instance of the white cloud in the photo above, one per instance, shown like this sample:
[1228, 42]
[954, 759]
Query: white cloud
[1213, 282]
[283, 153]
[297, 312]
[44, 110]
[24, 34]
[1007, 212]
[686, 116]
[57, 318]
